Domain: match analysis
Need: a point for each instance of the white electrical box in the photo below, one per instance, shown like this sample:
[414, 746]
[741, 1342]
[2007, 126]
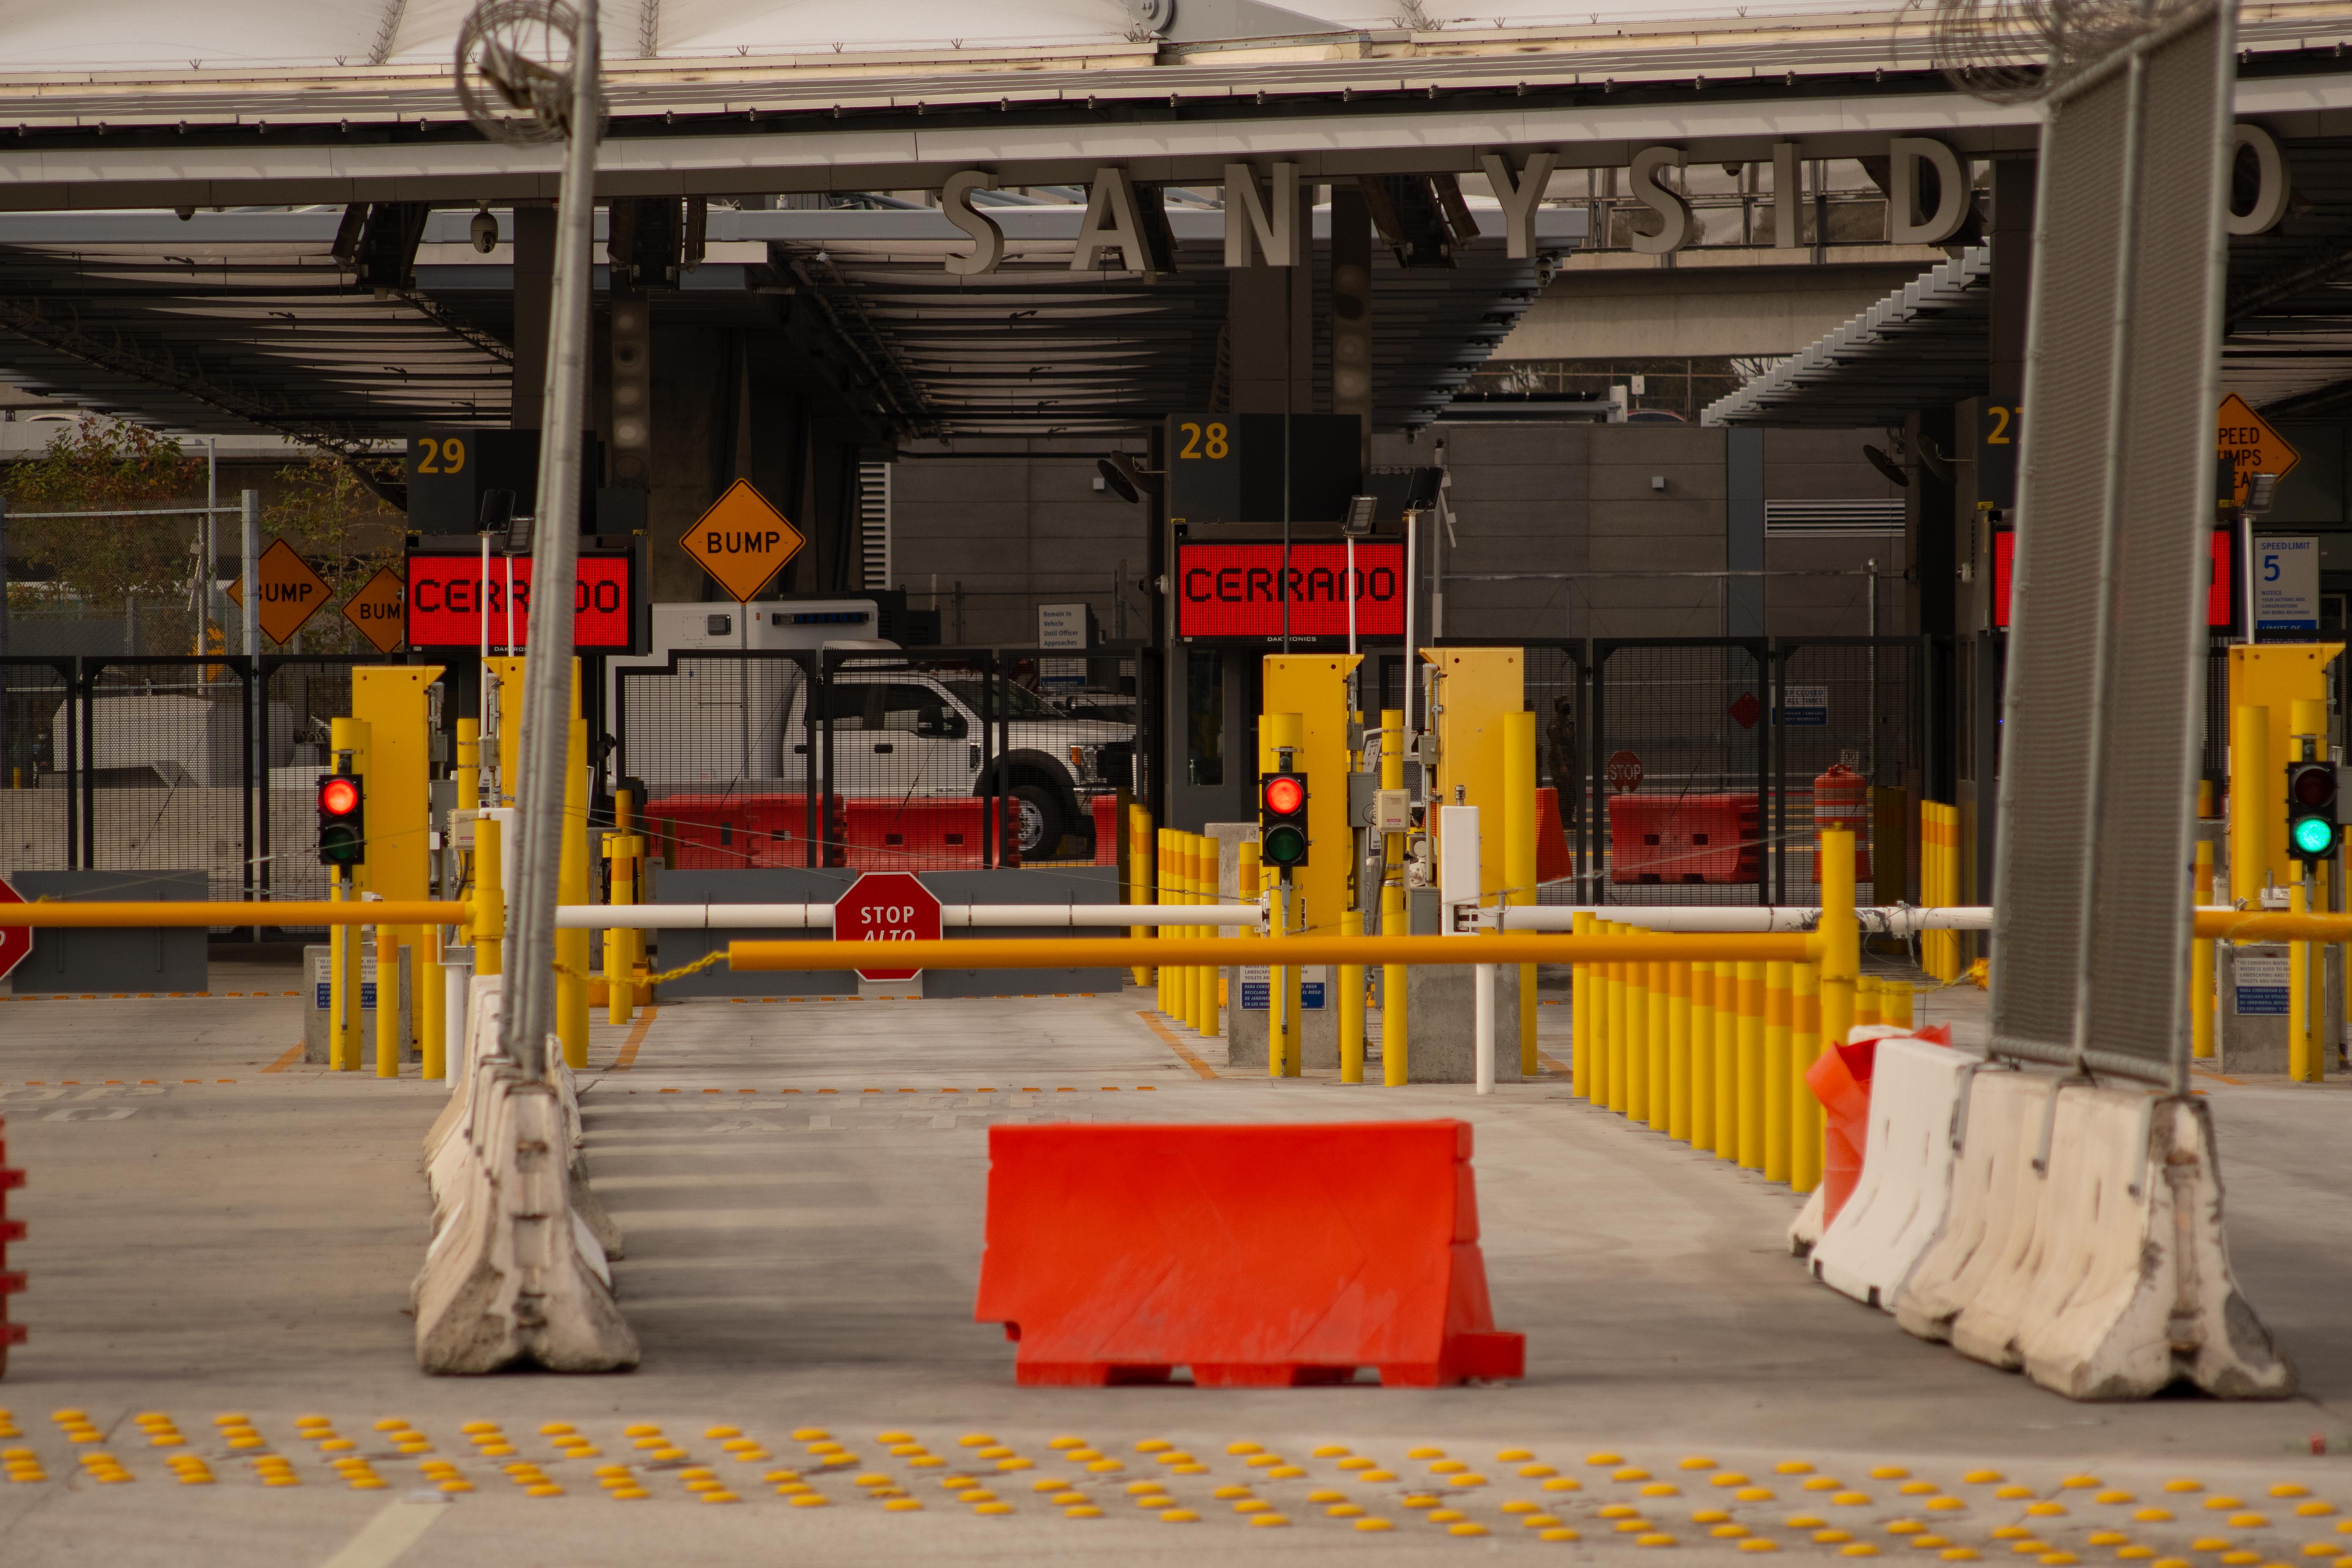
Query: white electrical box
[1393, 811]
[1458, 857]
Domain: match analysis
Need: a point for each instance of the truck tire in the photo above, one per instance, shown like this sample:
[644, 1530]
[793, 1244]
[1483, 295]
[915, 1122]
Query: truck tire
[1038, 819]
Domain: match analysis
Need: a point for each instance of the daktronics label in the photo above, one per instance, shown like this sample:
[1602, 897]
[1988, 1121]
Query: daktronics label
[1236, 590]
[447, 597]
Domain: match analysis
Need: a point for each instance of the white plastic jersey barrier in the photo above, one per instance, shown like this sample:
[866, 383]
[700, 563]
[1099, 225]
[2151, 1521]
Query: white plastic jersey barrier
[1916, 1094]
[2082, 1242]
[954, 917]
[515, 1271]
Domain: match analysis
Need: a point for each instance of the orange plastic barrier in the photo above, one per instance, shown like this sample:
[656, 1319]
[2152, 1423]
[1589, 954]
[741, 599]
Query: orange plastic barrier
[1555, 857]
[1258, 1256]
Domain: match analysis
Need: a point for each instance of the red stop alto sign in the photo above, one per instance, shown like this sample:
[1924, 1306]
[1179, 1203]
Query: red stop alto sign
[16, 942]
[886, 907]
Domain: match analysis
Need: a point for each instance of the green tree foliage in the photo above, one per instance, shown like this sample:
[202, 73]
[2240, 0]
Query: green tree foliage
[105, 464]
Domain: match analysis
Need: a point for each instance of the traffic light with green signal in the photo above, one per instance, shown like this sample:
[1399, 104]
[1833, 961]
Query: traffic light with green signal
[1282, 819]
[2311, 820]
[342, 820]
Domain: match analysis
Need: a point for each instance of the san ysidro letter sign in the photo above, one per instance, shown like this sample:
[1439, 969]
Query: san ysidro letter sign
[1237, 590]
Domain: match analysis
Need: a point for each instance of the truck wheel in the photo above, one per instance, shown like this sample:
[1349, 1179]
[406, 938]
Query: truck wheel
[1039, 819]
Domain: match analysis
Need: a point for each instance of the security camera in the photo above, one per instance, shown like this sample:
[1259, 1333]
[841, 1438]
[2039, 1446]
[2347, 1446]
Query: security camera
[485, 232]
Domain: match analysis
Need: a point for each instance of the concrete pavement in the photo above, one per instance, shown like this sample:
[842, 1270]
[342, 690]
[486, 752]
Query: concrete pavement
[802, 1260]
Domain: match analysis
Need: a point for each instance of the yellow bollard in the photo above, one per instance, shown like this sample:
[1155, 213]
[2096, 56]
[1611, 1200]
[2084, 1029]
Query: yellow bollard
[1581, 981]
[1612, 1061]
[1519, 865]
[1293, 976]
[1351, 1005]
[2253, 800]
[342, 978]
[1393, 919]
[1139, 874]
[1776, 1076]
[1865, 1001]
[2303, 1063]
[1749, 1147]
[1841, 953]
[1728, 1005]
[489, 899]
[1806, 1124]
[1661, 1052]
[1678, 1051]
[2200, 950]
[1204, 891]
[432, 1046]
[1702, 1068]
[620, 990]
[1161, 866]
[1895, 1003]
[387, 1001]
[1637, 1041]
[1187, 893]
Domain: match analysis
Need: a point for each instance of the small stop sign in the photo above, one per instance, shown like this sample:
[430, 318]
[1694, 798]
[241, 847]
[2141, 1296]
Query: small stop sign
[16, 942]
[887, 906]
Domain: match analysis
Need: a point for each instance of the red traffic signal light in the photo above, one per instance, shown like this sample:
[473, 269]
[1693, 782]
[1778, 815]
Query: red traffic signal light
[1282, 819]
[342, 820]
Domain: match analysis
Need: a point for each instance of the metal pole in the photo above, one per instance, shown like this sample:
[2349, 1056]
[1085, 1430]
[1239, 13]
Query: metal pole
[257, 712]
[3, 576]
[529, 1010]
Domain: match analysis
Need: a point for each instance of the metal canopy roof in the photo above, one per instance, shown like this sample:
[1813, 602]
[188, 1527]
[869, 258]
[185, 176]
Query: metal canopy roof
[238, 322]
[1036, 349]
[236, 327]
[1922, 346]
[2286, 347]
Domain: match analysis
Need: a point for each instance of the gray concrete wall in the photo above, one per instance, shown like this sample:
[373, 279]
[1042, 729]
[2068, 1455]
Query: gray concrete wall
[1030, 528]
[1016, 531]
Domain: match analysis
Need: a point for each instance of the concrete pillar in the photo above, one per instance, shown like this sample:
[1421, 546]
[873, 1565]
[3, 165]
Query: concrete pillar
[1270, 325]
[1351, 309]
[534, 291]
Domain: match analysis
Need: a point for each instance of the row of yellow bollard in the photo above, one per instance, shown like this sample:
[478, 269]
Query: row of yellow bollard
[1939, 886]
[1184, 872]
[1713, 1054]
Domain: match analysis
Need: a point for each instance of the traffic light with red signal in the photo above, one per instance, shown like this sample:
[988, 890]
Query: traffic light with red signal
[1282, 819]
[342, 820]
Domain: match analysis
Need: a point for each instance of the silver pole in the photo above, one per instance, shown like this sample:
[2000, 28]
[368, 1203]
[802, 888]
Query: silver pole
[256, 775]
[207, 618]
[528, 1012]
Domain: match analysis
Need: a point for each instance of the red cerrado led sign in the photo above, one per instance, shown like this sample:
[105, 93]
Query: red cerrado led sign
[447, 596]
[2220, 600]
[1236, 590]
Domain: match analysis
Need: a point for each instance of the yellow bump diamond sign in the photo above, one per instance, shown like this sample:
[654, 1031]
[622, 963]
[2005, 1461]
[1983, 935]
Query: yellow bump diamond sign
[742, 540]
[2250, 445]
[291, 593]
[375, 609]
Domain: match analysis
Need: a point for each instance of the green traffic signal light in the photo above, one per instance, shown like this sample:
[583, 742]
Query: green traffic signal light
[1283, 846]
[2315, 836]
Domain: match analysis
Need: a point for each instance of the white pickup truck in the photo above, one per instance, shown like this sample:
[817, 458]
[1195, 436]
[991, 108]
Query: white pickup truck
[900, 730]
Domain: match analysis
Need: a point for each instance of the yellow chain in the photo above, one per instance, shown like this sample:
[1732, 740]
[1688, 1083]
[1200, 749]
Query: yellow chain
[705, 961]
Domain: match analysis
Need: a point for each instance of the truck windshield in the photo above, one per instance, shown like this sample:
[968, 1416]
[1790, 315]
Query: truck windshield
[1016, 702]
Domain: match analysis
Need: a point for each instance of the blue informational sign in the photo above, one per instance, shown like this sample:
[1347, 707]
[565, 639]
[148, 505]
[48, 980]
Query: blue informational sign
[1804, 705]
[2286, 585]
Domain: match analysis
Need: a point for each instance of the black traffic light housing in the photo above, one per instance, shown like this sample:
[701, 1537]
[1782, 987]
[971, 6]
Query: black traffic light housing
[1282, 818]
[2310, 811]
[342, 819]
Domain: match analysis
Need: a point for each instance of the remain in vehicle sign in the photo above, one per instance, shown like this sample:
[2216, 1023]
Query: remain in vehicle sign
[1236, 590]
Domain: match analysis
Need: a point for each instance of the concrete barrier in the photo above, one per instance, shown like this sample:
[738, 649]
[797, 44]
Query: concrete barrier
[2084, 1245]
[515, 1272]
[1917, 1091]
